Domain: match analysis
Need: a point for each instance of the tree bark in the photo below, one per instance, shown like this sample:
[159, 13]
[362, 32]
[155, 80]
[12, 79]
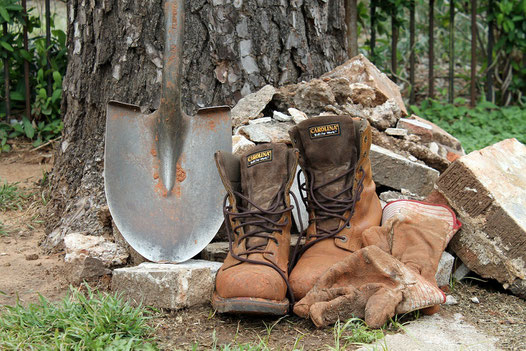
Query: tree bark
[231, 48]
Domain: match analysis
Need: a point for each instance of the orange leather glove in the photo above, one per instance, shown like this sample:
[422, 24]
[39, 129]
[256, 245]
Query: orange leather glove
[393, 274]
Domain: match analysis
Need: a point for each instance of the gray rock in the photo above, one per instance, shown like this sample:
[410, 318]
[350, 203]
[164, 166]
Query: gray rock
[451, 300]
[281, 117]
[260, 120]
[276, 132]
[85, 269]
[171, 286]
[398, 172]
[445, 267]
[385, 116]
[215, 251]
[461, 272]
[240, 144]
[437, 333]
[396, 132]
[297, 115]
[79, 246]
[475, 299]
[251, 105]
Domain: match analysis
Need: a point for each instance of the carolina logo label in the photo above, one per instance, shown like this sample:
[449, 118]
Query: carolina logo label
[259, 157]
[324, 130]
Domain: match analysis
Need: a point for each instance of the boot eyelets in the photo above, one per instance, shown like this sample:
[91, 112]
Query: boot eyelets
[344, 239]
[348, 226]
[365, 139]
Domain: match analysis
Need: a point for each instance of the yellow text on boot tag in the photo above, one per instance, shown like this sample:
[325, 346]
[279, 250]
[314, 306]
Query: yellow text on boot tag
[324, 130]
[259, 157]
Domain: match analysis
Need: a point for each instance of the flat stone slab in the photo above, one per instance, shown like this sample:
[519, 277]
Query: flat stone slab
[436, 333]
[487, 188]
[398, 172]
[170, 286]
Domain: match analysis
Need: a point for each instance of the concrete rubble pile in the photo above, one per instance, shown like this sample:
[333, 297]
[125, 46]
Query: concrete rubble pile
[411, 158]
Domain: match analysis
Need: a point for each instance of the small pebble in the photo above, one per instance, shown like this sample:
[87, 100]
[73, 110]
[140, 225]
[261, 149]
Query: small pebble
[451, 300]
[31, 257]
[7, 264]
[475, 299]
[3, 253]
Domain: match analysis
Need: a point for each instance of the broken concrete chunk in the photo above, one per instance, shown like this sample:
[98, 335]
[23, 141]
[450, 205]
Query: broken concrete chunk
[461, 272]
[215, 251]
[171, 286]
[281, 117]
[400, 132]
[422, 129]
[276, 132]
[79, 246]
[313, 96]
[488, 190]
[445, 267]
[297, 115]
[385, 115]
[85, 269]
[364, 95]
[442, 137]
[240, 144]
[251, 105]
[397, 172]
[360, 70]
[260, 120]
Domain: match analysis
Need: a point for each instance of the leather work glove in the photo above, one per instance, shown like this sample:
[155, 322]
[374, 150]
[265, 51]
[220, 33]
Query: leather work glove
[393, 274]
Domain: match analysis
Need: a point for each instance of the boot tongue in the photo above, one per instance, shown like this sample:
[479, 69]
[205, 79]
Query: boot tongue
[328, 149]
[264, 170]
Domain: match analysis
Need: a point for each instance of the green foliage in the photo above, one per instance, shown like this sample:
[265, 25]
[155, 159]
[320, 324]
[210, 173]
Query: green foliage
[45, 109]
[510, 48]
[12, 197]
[476, 127]
[94, 321]
[353, 332]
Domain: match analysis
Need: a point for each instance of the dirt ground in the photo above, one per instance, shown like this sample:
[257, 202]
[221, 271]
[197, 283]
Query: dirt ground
[26, 271]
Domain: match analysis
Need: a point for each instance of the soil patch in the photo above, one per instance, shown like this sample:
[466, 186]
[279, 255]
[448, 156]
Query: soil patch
[25, 270]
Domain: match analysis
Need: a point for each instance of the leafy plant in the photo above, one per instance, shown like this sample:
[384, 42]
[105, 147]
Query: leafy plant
[94, 321]
[476, 127]
[354, 331]
[44, 123]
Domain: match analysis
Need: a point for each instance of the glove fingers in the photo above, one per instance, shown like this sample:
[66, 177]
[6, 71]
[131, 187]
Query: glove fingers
[301, 308]
[341, 308]
[381, 306]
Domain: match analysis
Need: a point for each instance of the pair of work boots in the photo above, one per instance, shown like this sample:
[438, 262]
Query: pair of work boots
[258, 275]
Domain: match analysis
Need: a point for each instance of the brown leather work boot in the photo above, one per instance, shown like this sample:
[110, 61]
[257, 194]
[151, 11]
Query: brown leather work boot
[253, 278]
[340, 193]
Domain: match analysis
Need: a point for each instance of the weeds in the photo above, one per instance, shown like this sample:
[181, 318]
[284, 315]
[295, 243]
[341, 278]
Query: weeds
[4, 229]
[93, 321]
[12, 197]
[353, 332]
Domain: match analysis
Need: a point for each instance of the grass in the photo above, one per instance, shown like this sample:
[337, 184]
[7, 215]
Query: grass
[353, 332]
[477, 127]
[12, 197]
[90, 321]
[4, 229]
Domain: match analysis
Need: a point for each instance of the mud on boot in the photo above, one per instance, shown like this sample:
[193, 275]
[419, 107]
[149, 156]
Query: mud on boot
[253, 279]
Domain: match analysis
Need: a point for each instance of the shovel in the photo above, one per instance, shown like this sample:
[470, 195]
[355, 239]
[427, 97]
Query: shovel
[163, 190]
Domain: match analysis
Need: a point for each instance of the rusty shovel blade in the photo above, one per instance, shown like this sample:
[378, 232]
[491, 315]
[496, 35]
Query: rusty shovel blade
[161, 184]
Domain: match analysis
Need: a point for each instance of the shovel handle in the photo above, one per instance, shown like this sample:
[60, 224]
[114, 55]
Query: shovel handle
[170, 120]
[172, 68]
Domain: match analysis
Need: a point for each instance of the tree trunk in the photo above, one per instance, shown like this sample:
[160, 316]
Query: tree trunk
[231, 48]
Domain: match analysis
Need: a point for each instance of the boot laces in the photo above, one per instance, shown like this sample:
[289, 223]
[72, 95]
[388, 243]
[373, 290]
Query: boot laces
[327, 207]
[262, 220]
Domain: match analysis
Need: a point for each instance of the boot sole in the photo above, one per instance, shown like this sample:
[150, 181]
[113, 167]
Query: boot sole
[250, 305]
